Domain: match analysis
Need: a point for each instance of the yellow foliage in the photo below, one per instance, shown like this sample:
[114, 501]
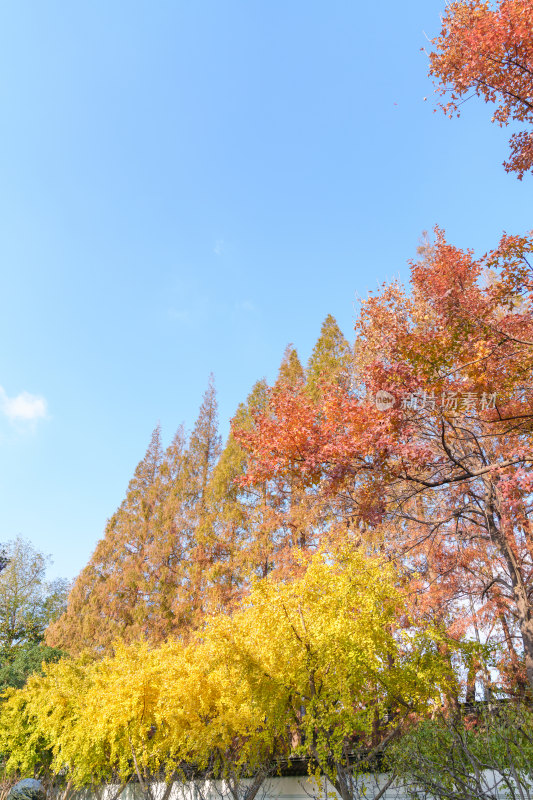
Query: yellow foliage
[306, 664]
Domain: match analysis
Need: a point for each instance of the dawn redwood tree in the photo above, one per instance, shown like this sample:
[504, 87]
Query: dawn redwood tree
[128, 588]
[331, 359]
[202, 456]
[147, 576]
[487, 49]
[204, 446]
[292, 529]
[279, 522]
[291, 372]
[238, 540]
[294, 521]
[430, 456]
[292, 518]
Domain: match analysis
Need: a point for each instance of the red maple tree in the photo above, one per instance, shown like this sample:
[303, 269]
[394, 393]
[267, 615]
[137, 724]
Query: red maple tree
[488, 51]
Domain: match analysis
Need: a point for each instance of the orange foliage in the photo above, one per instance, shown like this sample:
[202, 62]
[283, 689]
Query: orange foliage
[489, 51]
[441, 479]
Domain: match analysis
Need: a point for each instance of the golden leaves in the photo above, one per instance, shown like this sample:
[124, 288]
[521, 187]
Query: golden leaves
[323, 652]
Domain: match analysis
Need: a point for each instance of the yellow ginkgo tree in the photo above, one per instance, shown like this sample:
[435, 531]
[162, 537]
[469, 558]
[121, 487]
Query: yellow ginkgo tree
[46, 729]
[330, 666]
[335, 662]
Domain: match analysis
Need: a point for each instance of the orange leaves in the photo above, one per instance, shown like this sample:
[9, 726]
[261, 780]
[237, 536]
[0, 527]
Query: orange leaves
[439, 478]
[489, 52]
[300, 436]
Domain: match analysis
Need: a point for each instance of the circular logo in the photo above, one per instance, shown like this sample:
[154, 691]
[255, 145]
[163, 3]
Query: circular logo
[384, 400]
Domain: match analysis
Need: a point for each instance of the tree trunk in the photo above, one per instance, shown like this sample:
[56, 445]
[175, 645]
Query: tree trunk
[520, 594]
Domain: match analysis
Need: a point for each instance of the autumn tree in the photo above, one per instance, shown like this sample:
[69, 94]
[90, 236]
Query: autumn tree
[146, 577]
[270, 521]
[487, 50]
[291, 372]
[54, 728]
[108, 598]
[128, 587]
[239, 541]
[202, 455]
[327, 665]
[331, 359]
[429, 458]
[336, 661]
[296, 519]
[208, 716]
[460, 444]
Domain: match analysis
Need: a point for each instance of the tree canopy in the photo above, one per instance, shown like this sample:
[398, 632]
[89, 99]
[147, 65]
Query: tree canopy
[488, 51]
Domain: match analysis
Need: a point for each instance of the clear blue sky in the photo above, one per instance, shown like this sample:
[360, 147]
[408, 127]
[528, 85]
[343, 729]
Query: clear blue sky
[186, 187]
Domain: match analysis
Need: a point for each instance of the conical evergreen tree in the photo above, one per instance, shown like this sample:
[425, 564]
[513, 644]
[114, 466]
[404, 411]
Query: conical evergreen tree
[331, 363]
[290, 374]
[188, 536]
[331, 359]
[120, 593]
[202, 456]
[233, 511]
[204, 445]
[168, 552]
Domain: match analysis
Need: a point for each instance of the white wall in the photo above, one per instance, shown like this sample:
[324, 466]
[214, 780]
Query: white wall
[293, 788]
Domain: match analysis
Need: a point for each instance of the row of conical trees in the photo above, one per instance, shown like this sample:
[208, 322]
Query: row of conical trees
[188, 537]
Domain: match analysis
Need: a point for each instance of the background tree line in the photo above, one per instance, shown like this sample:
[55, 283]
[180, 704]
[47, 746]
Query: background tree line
[188, 538]
[28, 604]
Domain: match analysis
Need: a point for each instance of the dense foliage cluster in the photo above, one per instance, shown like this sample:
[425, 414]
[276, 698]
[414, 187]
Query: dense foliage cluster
[488, 51]
[329, 663]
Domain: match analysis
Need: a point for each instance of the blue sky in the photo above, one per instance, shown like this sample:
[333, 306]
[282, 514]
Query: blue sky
[186, 188]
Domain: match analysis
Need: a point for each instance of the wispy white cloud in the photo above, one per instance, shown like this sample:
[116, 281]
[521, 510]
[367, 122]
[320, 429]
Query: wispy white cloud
[24, 407]
[218, 249]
